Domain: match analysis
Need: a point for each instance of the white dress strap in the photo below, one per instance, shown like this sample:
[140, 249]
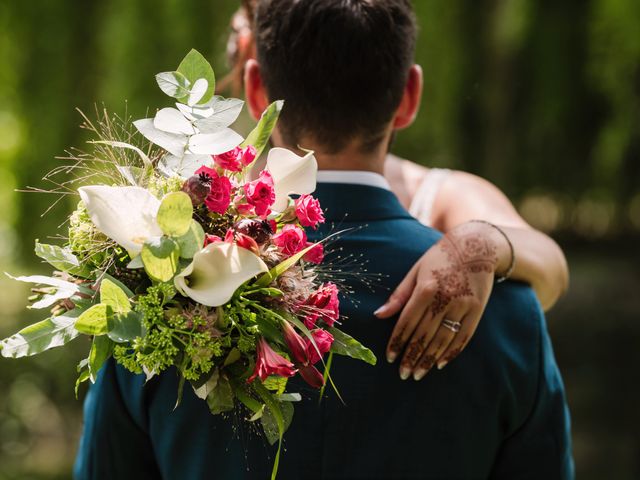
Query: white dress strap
[422, 204]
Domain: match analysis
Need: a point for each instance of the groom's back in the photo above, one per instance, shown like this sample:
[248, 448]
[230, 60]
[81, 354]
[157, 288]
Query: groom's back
[497, 411]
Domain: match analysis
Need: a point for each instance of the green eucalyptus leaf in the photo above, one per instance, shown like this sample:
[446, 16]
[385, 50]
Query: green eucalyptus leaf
[112, 295]
[259, 136]
[194, 66]
[44, 335]
[344, 344]
[220, 399]
[61, 259]
[174, 84]
[101, 350]
[95, 320]
[160, 258]
[121, 285]
[175, 214]
[191, 242]
[124, 327]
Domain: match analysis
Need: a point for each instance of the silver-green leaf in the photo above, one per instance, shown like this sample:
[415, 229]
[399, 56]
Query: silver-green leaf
[50, 333]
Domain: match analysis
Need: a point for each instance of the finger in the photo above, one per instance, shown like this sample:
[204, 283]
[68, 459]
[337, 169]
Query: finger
[469, 324]
[400, 295]
[444, 336]
[409, 318]
[423, 334]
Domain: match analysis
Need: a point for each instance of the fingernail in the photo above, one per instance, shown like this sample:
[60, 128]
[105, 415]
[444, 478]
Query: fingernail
[419, 375]
[404, 373]
[391, 357]
[442, 364]
[380, 310]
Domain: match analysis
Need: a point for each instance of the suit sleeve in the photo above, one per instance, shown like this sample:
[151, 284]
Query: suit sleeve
[114, 443]
[541, 446]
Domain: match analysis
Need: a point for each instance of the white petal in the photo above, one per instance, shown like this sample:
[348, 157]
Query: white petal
[173, 121]
[171, 142]
[196, 112]
[216, 273]
[214, 143]
[291, 174]
[183, 166]
[127, 215]
[197, 91]
[225, 111]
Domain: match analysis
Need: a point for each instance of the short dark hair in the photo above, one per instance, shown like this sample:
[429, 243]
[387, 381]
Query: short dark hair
[340, 65]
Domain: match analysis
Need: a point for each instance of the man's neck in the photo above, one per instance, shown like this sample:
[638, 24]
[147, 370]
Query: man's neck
[350, 158]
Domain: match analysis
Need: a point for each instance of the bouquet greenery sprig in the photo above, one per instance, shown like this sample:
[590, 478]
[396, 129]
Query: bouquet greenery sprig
[180, 257]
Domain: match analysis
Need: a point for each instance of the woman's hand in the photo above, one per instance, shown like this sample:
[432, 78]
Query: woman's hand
[443, 297]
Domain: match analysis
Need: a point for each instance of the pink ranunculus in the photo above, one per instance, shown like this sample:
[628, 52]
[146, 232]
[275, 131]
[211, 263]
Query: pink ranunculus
[296, 344]
[231, 160]
[316, 254]
[248, 155]
[312, 376]
[219, 196]
[323, 340]
[261, 194]
[290, 240]
[268, 362]
[324, 304]
[208, 238]
[308, 211]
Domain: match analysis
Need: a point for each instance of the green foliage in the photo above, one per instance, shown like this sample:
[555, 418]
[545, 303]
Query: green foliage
[94, 321]
[344, 344]
[61, 259]
[175, 214]
[194, 66]
[50, 333]
[259, 136]
[160, 258]
[191, 242]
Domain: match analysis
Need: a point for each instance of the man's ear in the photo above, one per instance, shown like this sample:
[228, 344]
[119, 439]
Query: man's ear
[410, 103]
[255, 94]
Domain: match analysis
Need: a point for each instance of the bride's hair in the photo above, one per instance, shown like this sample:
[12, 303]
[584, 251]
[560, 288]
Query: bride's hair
[240, 47]
[340, 65]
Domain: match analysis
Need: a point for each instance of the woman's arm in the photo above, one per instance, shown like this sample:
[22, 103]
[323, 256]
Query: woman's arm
[539, 260]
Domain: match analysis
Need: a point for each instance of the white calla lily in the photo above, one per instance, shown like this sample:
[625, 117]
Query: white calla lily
[216, 273]
[291, 174]
[127, 215]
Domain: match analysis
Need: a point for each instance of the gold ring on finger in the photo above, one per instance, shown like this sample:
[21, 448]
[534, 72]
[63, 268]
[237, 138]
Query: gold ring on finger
[451, 325]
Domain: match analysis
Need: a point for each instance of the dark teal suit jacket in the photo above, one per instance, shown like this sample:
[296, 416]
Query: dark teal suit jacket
[498, 411]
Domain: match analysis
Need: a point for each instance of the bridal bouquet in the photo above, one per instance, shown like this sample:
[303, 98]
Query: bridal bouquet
[177, 256]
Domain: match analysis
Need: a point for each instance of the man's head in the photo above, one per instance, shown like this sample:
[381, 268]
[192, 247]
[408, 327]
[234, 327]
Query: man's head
[344, 68]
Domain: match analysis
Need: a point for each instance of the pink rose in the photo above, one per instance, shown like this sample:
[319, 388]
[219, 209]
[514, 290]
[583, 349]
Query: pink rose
[323, 304]
[219, 196]
[268, 362]
[323, 340]
[248, 155]
[231, 160]
[316, 254]
[290, 240]
[308, 211]
[261, 194]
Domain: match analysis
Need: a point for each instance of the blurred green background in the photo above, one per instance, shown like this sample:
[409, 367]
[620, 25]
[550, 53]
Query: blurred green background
[542, 98]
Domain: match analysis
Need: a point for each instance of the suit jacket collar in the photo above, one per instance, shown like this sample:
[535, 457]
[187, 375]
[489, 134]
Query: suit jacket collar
[351, 202]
